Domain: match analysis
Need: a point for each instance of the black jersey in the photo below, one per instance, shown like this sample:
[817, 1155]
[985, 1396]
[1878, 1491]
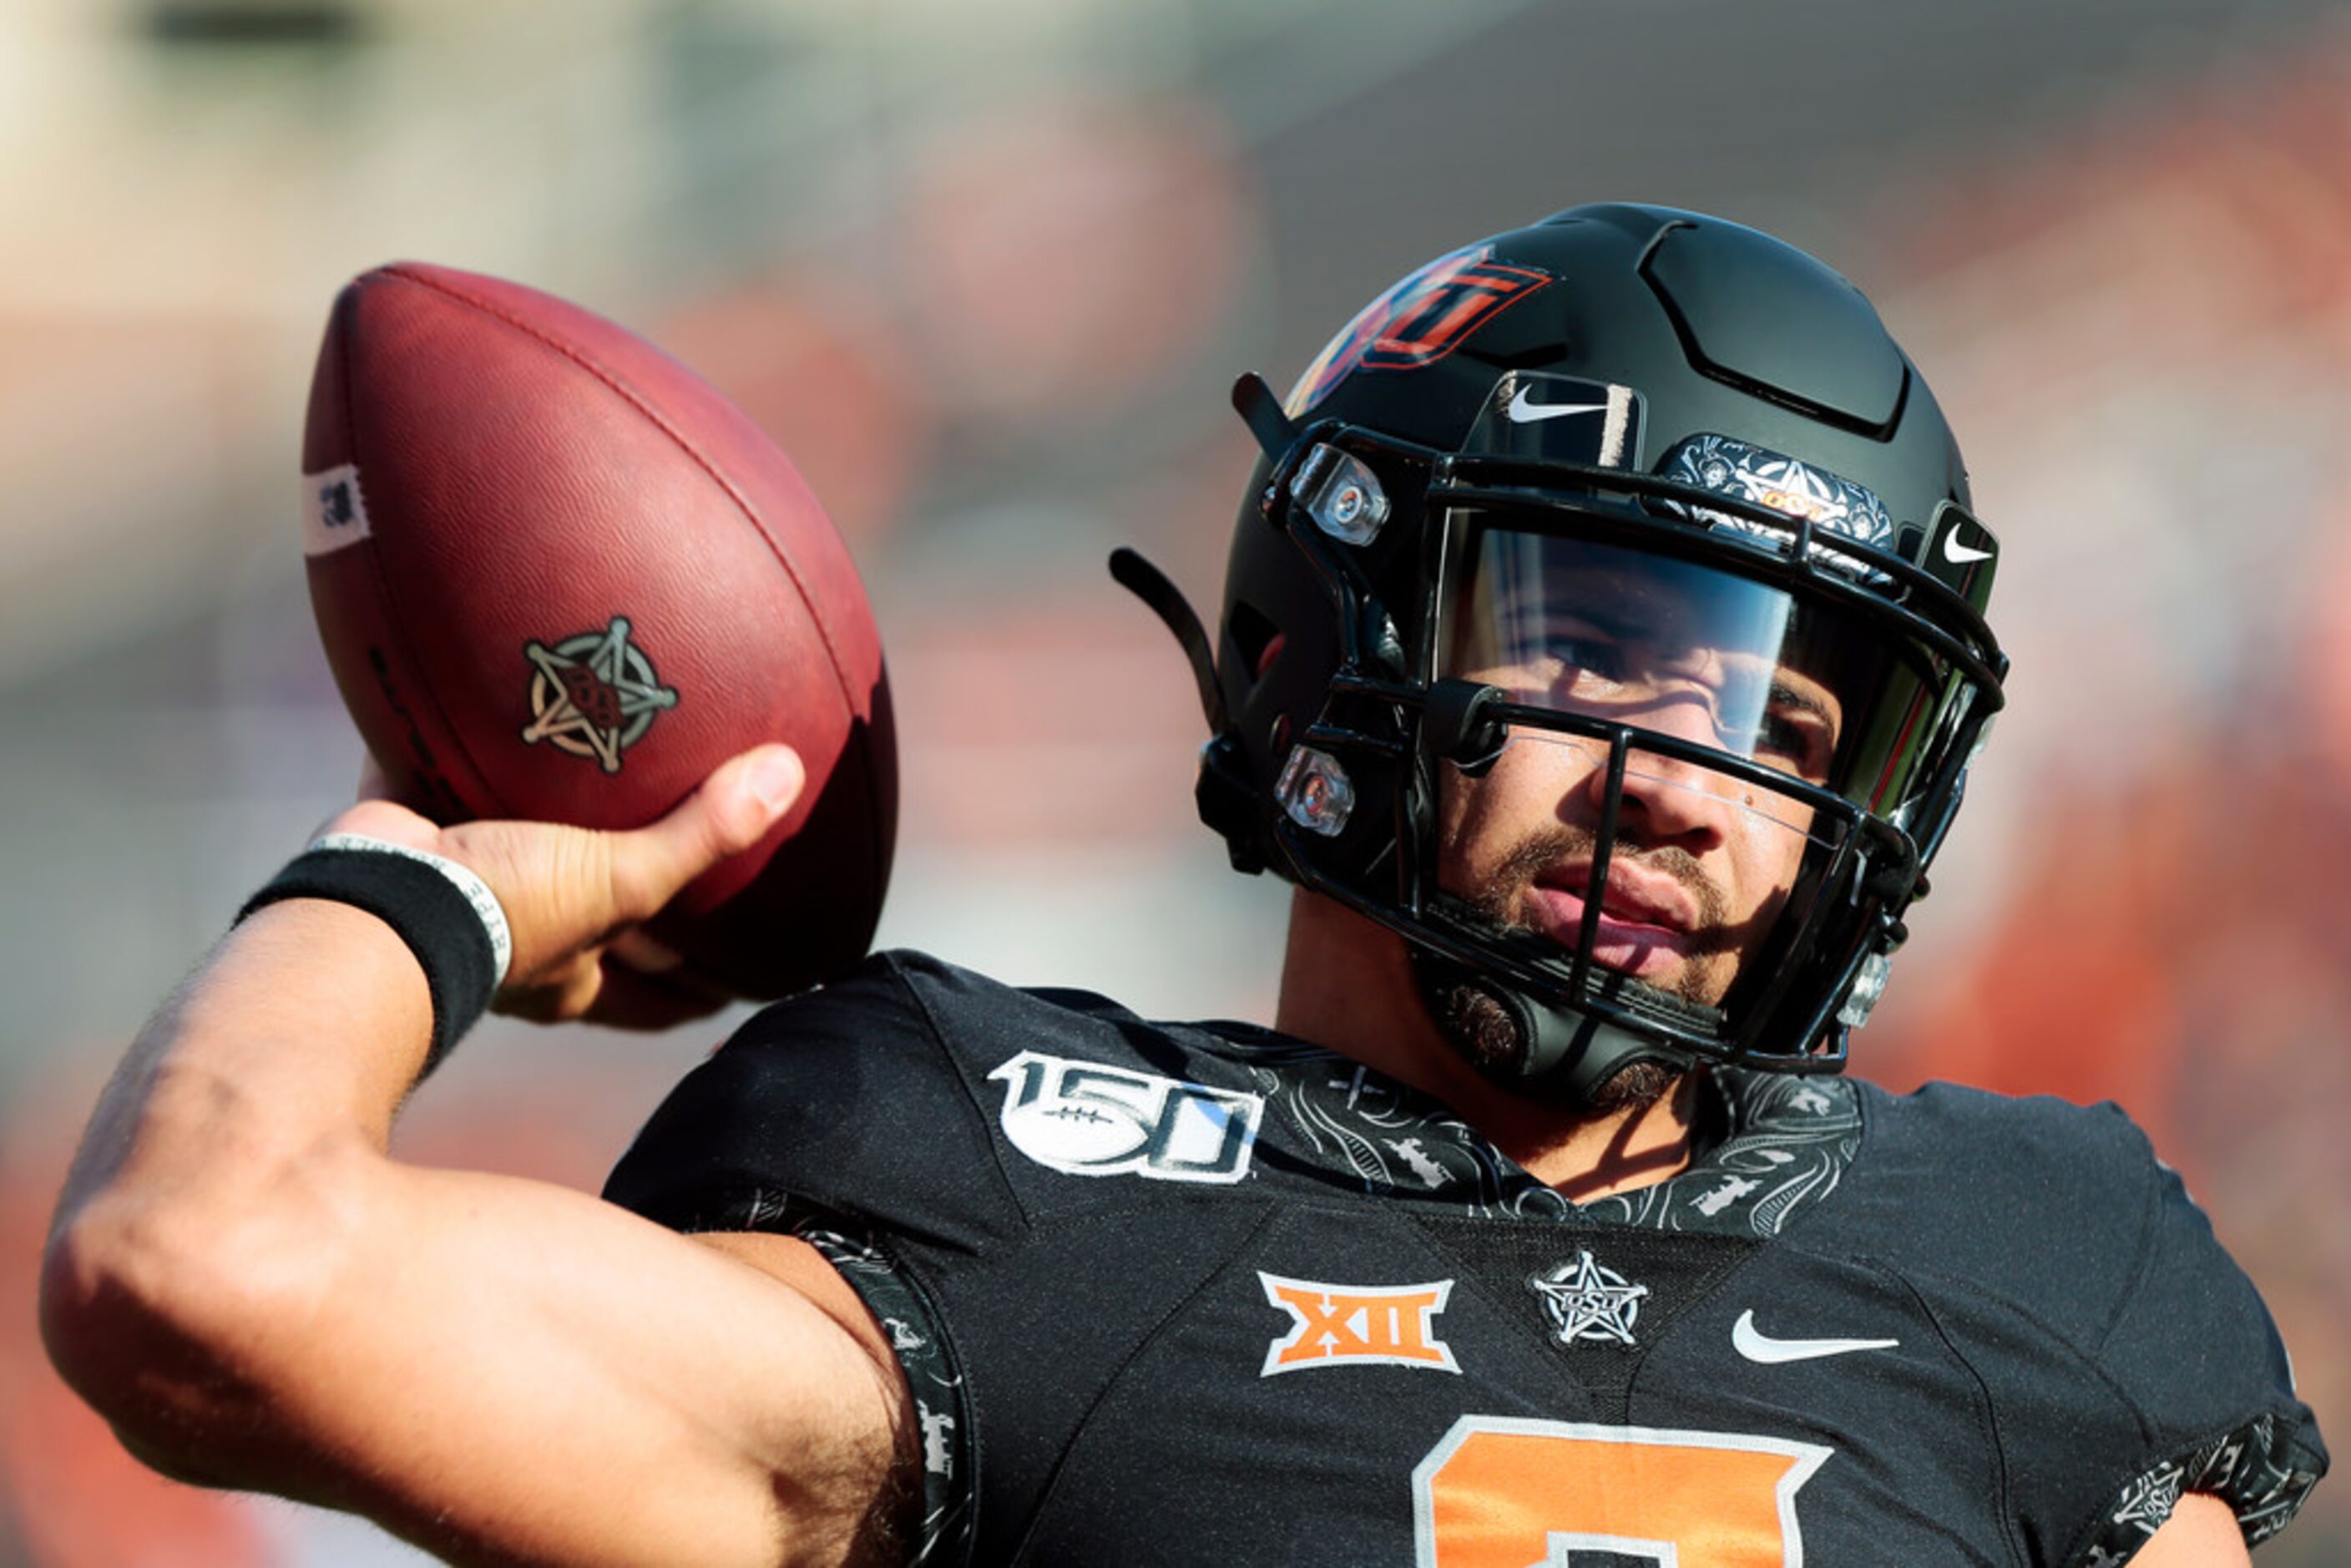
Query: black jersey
[1206, 1294]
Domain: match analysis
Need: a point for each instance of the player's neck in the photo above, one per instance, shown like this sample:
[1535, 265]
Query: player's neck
[1347, 984]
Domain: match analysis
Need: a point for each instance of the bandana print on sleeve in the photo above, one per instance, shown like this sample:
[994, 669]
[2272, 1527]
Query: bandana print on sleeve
[2255, 1470]
[944, 1535]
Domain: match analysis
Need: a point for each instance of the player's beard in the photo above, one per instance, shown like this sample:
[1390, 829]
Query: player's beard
[1480, 1029]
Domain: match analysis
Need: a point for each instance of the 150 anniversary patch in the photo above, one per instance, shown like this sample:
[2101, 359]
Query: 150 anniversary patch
[1088, 1119]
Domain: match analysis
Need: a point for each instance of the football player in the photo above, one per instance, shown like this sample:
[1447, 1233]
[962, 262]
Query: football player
[1603, 656]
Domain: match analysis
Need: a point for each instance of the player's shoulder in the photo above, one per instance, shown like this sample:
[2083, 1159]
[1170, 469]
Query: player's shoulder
[810, 1095]
[915, 1088]
[1024, 1041]
[2068, 1264]
[2022, 1142]
[971, 1015]
[2062, 1212]
[1974, 1179]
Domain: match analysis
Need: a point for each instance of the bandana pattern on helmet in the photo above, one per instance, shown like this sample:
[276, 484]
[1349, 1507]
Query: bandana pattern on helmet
[1763, 477]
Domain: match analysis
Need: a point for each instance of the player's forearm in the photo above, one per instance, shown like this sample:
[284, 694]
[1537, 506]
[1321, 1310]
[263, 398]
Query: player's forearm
[310, 1021]
[225, 1159]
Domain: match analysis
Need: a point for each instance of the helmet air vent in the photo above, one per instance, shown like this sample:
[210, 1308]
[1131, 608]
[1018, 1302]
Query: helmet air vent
[1742, 301]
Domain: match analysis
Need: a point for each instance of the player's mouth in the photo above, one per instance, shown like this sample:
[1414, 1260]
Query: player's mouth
[1647, 919]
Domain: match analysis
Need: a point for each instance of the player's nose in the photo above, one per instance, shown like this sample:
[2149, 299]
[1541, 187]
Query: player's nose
[1669, 800]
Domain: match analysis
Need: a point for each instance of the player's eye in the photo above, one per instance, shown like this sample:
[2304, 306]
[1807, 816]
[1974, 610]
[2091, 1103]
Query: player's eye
[1579, 668]
[1796, 737]
[1590, 659]
[1554, 653]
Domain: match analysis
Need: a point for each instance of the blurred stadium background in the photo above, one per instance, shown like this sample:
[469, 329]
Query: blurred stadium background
[985, 271]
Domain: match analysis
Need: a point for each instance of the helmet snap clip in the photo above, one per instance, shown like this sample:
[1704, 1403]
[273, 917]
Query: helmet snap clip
[1316, 791]
[1455, 725]
[1340, 494]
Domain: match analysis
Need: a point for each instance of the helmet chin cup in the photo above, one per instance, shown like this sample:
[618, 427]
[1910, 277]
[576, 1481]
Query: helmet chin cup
[1566, 1054]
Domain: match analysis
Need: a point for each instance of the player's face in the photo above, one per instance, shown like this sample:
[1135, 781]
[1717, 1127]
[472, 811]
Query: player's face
[1703, 862]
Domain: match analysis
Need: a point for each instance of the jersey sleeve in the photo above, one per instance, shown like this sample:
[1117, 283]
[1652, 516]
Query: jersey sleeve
[2193, 1353]
[834, 1117]
[842, 1098]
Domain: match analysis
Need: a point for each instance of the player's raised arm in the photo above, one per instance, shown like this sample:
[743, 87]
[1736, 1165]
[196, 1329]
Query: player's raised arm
[257, 1296]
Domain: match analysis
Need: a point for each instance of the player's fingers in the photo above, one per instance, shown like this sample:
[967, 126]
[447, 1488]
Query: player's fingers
[604, 991]
[642, 954]
[567, 990]
[630, 999]
[731, 812]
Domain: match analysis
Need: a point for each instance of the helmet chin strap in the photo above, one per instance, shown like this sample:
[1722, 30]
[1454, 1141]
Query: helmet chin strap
[1522, 1043]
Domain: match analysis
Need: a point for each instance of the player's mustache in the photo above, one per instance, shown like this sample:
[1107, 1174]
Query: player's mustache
[1497, 896]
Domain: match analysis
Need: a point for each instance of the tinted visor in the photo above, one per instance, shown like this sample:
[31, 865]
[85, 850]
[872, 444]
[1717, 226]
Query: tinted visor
[1811, 690]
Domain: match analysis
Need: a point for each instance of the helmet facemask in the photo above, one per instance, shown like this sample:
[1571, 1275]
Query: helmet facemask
[1721, 740]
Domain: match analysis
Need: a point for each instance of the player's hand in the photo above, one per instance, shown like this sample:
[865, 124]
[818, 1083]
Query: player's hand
[576, 898]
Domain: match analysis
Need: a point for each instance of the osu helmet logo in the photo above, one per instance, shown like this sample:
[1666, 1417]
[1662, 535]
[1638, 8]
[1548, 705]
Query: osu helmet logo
[594, 695]
[1419, 319]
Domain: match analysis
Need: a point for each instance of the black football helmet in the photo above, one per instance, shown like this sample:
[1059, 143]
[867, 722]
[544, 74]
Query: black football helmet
[1646, 485]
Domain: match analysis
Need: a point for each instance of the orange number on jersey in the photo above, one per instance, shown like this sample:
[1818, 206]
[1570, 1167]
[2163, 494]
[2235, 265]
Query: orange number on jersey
[1505, 1493]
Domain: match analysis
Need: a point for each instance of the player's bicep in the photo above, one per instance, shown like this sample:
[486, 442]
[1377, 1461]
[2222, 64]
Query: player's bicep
[517, 1372]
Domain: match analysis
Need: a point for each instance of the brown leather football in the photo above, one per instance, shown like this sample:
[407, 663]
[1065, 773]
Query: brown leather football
[559, 577]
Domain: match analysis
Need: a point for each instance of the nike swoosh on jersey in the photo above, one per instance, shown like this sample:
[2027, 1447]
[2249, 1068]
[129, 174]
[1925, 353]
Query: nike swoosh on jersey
[1758, 1346]
[1525, 413]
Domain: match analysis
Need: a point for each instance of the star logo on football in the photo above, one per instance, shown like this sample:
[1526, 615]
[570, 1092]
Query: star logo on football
[594, 695]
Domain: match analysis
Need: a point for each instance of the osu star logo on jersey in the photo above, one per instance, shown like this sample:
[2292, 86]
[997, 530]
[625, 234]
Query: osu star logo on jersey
[594, 695]
[1356, 1325]
[1587, 1300]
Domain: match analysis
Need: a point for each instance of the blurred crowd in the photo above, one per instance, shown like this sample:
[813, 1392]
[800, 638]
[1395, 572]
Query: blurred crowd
[986, 283]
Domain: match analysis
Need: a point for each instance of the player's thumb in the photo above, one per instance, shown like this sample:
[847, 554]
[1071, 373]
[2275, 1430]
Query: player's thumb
[732, 810]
